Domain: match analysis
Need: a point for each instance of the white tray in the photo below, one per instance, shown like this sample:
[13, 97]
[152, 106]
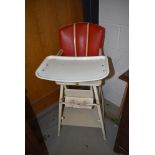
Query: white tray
[73, 69]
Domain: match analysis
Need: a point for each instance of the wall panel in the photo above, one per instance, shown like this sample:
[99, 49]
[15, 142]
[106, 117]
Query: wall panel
[43, 19]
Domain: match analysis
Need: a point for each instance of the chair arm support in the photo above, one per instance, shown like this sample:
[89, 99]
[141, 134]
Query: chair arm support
[100, 52]
[60, 52]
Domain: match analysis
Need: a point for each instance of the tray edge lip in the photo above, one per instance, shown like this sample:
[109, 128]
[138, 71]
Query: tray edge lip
[50, 79]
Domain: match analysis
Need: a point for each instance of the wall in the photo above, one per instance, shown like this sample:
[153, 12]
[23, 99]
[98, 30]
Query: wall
[114, 16]
[43, 19]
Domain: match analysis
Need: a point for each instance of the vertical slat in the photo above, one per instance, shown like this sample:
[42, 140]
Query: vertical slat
[87, 39]
[74, 32]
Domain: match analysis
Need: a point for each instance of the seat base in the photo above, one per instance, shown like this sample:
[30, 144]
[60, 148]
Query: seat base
[87, 83]
[78, 98]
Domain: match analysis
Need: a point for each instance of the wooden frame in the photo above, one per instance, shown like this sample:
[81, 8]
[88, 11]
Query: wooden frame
[95, 89]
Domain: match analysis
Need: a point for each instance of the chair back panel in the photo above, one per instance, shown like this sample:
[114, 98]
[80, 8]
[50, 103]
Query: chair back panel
[81, 39]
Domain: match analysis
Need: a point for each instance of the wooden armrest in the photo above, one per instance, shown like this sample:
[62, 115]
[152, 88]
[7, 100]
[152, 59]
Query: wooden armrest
[100, 52]
[60, 52]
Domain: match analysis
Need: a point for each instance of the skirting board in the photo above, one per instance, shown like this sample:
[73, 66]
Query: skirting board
[46, 101]
[112, 111]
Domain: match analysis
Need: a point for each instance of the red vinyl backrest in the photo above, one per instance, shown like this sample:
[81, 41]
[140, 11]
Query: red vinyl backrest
[81, 39]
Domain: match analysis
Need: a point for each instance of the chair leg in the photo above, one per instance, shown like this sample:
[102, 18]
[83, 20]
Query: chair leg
[102, 99]
[99, 111]
[60, 109]
[59, 119]
[101, 120]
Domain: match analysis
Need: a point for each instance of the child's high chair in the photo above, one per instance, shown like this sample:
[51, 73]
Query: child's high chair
[79, 69]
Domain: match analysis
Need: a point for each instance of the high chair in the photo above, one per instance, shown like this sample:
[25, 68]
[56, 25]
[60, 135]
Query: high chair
[79, 69]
